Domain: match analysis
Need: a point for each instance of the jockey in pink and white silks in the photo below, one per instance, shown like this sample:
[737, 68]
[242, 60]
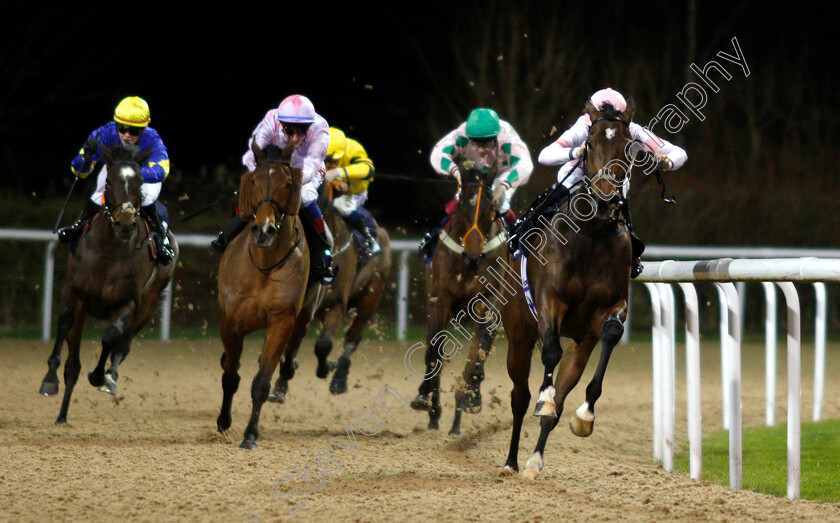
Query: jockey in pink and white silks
[567, 151]
[295, 121]
[569, 145]
[491, 143]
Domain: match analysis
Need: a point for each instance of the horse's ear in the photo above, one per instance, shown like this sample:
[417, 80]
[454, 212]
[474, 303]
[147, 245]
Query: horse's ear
[287, 152]
[591, 111]
[258, 153]
[106, 152]
[627, 115]
[143, 157]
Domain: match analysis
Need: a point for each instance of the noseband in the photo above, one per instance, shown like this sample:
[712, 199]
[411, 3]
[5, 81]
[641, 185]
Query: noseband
[126, 206]
[282, 209]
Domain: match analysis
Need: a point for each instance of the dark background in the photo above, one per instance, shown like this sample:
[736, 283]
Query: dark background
[762, 166]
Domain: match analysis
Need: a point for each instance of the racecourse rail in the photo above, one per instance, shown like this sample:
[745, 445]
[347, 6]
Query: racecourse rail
[782, 266]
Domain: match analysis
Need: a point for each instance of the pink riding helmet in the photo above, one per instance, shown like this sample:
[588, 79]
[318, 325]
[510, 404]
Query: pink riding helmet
[607, 95]
[296, 109]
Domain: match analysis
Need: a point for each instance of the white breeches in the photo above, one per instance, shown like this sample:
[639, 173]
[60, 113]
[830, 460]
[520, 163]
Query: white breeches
[347, 203]
[150, 191]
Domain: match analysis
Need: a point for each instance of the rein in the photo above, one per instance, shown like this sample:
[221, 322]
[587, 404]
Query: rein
[283, 210]
[486, 246]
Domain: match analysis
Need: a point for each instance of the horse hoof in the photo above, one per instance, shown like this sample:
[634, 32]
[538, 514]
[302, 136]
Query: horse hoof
[48, 389]
[110, 386]
[248, 444]
[421, 402]
[95, 380]
[530, 474]
[433, 425]
[581, 427]
[338, 386]
[545, 408]
[454, 432]
[508, 471]
[277, 396]
[222, 424]
[60, 421]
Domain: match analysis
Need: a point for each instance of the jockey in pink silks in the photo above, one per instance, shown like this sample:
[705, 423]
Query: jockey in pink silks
[567, 150]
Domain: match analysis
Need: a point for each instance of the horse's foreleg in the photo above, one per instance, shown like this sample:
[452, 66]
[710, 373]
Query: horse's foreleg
[232, 341]
[288, 363]
[49, 386]
[324, 344]
[365, 307]
[439, 343]
[520, 349]
[73, 366]
[277, 339]
[550, 320]
[583, 420]
[112, 340]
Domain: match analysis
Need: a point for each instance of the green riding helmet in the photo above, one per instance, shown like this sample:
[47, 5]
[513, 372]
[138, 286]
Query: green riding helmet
[483, 123]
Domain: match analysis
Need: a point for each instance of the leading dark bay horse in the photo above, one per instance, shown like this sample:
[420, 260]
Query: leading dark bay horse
[577, 275]
[357, 287]
[111, 276]
[264, 283]
[456, 286]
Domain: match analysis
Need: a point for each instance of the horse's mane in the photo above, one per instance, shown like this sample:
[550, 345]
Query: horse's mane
[609, 111]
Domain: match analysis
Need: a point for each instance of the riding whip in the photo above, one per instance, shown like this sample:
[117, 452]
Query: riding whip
[64, 207]
[210, 206]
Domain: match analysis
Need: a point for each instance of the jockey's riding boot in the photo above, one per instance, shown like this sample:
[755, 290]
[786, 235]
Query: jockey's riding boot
[638, 249]
[165, 254]
[323, 262]
[509, 219]
[67, 234]
[230, 229]
[427, 245]
[371, 249]
[551, 196]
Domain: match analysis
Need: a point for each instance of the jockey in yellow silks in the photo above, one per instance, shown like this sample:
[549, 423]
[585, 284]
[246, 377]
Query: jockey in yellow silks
[348, 162]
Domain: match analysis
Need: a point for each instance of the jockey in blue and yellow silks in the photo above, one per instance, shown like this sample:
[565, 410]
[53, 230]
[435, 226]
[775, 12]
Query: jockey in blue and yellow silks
[348, 162]
[129, 127]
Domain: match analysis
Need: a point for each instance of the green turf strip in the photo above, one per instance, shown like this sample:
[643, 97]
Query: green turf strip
[765, 460]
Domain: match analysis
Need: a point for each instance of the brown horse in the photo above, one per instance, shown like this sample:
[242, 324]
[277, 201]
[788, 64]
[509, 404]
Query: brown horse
[111, 276]
[579, 272]
[264, 282]
[469, 243]
[355, 287]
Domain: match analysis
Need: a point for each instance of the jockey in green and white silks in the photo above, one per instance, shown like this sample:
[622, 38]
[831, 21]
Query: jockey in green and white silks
[492, 143]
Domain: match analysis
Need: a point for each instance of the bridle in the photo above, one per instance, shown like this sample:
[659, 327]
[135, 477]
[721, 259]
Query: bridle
[486, 245]
[282, 210]
[113, 214]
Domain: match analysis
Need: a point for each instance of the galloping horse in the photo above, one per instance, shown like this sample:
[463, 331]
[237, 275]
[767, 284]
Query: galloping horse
[472, 240]
[111, 276]
[264, 282]
[356, 286]
[580, 289]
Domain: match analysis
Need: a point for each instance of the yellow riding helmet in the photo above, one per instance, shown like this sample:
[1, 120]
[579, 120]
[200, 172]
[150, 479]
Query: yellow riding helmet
[133, 111]
[338, 143]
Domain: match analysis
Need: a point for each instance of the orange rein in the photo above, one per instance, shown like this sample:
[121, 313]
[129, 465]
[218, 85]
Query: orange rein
[475, 223]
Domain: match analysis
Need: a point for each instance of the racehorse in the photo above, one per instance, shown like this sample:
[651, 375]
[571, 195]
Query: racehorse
[356, 286]
[264, 282]
[580, 289]
[469, 244]
[111, 276]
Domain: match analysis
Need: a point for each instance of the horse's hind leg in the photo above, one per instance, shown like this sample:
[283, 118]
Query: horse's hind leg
[49, 386]
[288, 363]
[73, 366]
[583, 420]
[277, 338]
[324, 344]
[117, 357]
[113, 339]
[365, 307]
[232, 342]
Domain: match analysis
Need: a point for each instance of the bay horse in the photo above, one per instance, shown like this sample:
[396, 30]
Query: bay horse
[580, 289]
[264, 282]
[456, 288]
[357, 287]
[111, 276]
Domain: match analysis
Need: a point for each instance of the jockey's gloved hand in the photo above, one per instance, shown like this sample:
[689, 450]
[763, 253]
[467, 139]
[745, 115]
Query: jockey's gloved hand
[332, 175]
[499, 192]
[456, 173]
[90, 147]
[664, 161]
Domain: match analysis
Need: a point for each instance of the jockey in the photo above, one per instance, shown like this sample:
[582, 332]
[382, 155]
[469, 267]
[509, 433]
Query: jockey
[569, 147]
[493, 143]
[129, 127]
[295, 121]
[348, 162]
